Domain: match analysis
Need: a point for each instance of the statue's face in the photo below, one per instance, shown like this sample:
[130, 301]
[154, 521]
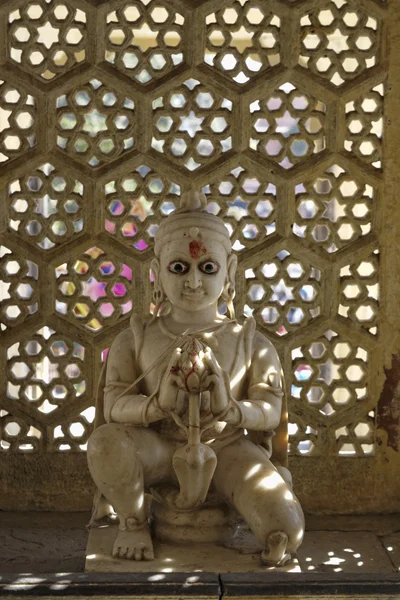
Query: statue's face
[193, 272]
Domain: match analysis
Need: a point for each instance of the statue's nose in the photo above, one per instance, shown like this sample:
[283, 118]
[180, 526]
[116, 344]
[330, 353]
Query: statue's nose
[193, 279]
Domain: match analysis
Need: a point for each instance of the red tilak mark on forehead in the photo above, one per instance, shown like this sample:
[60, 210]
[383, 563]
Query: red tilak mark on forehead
[197, 248]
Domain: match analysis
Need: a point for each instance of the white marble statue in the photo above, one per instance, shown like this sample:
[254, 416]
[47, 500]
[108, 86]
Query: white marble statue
[192, 401]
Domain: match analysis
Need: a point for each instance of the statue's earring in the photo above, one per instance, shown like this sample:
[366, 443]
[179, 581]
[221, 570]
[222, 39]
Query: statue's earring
[229, 303]
[228, 295]
[157, 296]
[158, 299]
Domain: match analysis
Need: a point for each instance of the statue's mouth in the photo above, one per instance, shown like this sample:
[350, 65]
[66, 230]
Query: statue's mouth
[193, 294]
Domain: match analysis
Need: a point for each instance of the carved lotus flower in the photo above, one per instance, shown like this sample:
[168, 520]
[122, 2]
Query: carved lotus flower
[192, 368]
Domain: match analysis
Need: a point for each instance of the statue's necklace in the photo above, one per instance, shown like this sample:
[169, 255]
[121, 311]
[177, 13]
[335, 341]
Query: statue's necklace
[205, 333]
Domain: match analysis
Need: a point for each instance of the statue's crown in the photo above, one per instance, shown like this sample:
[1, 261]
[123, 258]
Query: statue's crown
[192, 213]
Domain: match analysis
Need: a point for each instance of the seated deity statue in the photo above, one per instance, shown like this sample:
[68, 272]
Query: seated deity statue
[191, 403]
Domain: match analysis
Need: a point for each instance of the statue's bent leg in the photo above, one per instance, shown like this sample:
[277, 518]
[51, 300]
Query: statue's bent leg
[247, 479]
[122, 459]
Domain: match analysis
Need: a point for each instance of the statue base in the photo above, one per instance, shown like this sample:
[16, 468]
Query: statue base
[213, 523]
[243, 556]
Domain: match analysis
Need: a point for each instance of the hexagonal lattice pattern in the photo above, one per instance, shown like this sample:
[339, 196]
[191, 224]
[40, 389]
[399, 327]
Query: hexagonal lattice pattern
[359, 299]
[45, 372]
[17, 436]
[18, 288]
[364, 122]
[330, 375]
[283, 293]
[74, 432]
[303, 439]
[92, 289]
[18, 125]
[338, 41]
[242, 40]
[287, 125]
[227, 97]
[333, 209]
[135, 202]
[246, 201]
[192, 125]
[45, 39]
[145, 39]
[95, 123]
[357, 438]
[45, 206]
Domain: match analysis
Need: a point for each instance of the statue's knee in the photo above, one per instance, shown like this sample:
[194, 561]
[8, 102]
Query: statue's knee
[112, 455]
[293, 518]
[102, 439]
[280, 511]
[108, 441]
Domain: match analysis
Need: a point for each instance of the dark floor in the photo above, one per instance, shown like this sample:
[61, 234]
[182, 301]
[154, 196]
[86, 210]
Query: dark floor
[55, 542]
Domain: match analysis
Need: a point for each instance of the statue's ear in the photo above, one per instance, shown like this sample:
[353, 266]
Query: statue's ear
[155, 267]
[232, 266]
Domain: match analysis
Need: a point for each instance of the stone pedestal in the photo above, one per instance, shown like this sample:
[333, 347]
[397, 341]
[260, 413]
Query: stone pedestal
[179, 558]
[206, 524]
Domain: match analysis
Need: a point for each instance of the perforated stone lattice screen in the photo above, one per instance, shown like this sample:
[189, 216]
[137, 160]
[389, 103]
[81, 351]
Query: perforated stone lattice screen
[275, 109]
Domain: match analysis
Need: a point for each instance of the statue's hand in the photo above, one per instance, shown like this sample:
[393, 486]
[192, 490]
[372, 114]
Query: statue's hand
[171, 383]
[217, 383]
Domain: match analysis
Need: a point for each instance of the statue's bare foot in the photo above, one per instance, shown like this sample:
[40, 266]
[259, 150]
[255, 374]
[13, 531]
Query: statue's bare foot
[102, 512]
[275, 553]
[134, 545]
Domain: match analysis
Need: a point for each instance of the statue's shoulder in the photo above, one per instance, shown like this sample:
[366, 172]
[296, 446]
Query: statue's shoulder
[130, 337]
[249, 325]
[137, 326]
[257, 339]
[123, 338]
[248, 330]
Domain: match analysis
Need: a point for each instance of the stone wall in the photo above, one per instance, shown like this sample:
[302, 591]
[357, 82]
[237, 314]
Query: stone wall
[285, 113]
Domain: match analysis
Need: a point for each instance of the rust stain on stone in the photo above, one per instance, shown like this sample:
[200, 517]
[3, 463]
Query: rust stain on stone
[388, 409]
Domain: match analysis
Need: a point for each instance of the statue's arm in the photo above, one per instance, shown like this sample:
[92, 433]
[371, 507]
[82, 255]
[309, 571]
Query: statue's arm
[122, 370]
[261, 410]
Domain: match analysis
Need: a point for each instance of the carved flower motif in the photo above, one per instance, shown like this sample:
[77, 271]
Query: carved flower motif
[192, 368]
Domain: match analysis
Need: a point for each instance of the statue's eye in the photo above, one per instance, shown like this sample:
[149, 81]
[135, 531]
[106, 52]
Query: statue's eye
[178, 266]
[209, 267]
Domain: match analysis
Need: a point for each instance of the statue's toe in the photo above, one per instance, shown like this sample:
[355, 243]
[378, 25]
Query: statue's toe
[275, 552]
[138, 554]
[148, 554]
